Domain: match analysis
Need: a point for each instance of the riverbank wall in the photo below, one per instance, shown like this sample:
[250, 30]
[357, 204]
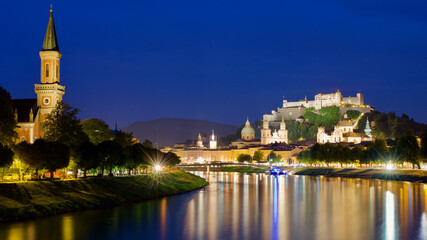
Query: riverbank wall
[23, 200]
[239, 169]
[384, 174]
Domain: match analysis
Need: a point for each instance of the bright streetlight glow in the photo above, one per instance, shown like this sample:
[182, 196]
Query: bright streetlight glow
[157, 168]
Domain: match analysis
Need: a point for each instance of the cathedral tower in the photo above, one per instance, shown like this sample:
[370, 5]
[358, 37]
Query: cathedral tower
[283, 133]
[49, 92]
[265, 133]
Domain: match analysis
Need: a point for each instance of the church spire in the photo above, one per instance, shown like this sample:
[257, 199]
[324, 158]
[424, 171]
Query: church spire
[50, 42]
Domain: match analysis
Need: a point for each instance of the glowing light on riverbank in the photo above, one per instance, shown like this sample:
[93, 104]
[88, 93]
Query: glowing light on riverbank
[157, 168]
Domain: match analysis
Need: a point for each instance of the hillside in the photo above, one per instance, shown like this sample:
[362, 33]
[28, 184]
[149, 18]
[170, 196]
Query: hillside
[168, 131]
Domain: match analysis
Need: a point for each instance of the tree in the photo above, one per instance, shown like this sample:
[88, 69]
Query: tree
[258, 156]
[273, 158]
[342, 154]
[326, 153]
[134, 156]
[315, 152]
[97, 130]
[111, 154]
[6, 158]
[147, 143]
[56, 155]
[376, 152]
[88, 157]
[353, 114]
[63, 125]
[356, 154]
[297, 131]
[326, 117]
[244, 158]
[408, 147]
[226, 141]
[31, 155]
[305, 157]
[423, 150]
[125, 139]
[172, 159]
[7, 119]
[389, 125]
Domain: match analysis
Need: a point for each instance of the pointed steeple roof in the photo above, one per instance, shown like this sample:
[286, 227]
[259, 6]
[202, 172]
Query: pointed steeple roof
[50, 42]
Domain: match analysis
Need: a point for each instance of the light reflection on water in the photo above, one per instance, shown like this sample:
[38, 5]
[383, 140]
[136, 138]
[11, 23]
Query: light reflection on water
[255, 206]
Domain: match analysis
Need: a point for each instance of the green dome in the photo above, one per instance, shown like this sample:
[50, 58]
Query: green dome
[248, 130]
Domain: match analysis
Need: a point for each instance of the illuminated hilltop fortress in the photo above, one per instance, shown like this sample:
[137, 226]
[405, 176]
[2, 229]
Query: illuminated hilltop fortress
[30, 113]
[295, 110]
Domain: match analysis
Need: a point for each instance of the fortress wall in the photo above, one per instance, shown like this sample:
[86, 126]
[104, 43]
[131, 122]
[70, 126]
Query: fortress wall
[360, 109]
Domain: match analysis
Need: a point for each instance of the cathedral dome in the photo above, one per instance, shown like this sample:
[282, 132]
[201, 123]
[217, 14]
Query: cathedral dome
[248, 130]
[248, 133]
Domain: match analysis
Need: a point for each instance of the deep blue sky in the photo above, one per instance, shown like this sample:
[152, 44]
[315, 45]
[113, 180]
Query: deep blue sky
[219, 60]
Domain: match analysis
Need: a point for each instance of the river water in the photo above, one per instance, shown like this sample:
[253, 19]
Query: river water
[251, 206]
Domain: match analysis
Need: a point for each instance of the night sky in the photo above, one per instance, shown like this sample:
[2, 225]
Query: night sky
[219, 60]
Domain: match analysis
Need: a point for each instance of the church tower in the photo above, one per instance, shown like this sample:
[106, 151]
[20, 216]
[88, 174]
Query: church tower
[199, 142]
[283, 133]
[212, 141]
[49, 92]
[368, 129]
[265, 133]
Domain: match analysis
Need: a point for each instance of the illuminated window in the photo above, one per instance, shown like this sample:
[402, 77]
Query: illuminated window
[57, 70]
[47, 69]
[23, 139]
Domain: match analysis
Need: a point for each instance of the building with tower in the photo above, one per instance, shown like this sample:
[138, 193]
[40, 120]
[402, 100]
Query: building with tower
[199, 141]
[295, 110]
[344, 133]
[30, 113]
[213, 141]
[248, 132]
[277, 136]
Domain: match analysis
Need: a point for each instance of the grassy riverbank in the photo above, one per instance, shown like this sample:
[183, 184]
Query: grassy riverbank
[394, 174]
[34, 199]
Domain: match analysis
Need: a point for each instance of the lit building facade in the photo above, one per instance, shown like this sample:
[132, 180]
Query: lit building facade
[269, 137]
[30, 113]
[344, 133]
[189, 156]
[294, 110]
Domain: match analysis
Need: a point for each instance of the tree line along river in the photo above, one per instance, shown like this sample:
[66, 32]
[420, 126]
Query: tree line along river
[251, 206]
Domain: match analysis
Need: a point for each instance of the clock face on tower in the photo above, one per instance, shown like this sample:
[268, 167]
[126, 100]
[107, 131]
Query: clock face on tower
[46, 101]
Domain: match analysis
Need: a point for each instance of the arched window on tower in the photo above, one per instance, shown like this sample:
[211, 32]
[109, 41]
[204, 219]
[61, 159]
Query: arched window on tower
[47, 69]
[57, 71]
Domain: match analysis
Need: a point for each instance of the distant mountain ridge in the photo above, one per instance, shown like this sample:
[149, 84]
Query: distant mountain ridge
[168, 131]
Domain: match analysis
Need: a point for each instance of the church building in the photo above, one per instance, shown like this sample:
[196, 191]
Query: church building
[344, 133]
[30, 113]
